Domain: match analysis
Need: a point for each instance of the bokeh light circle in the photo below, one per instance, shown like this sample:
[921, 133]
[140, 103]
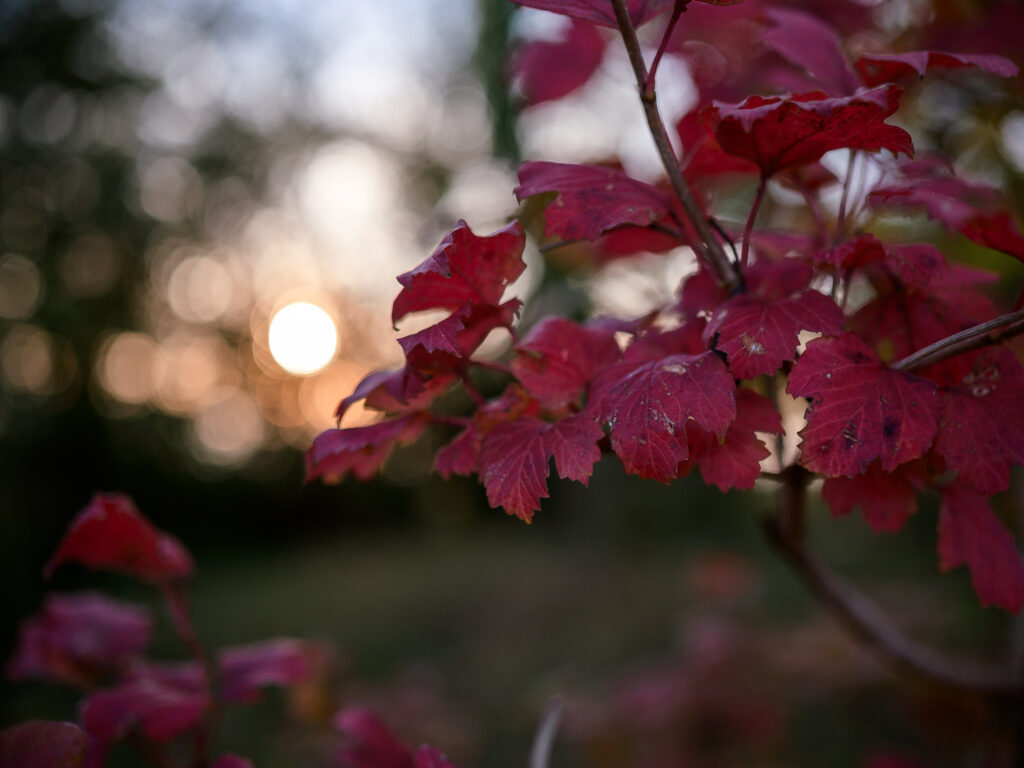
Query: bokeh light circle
[302, 338]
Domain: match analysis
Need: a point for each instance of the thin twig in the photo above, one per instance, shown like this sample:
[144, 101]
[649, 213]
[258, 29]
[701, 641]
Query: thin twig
[556, 244]
[980, 335]
[544, 740]
[847, 183]
[709, 247]
[677, 10]
[725, 236]
[815, 208]
[748, 230]
[177, 607]
[863, 618]
[493, 365]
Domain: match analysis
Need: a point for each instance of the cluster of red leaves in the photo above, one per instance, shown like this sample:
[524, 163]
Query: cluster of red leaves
[97, 643]
[691, 386]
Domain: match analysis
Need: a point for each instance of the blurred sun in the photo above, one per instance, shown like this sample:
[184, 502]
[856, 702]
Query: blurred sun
[303, 338]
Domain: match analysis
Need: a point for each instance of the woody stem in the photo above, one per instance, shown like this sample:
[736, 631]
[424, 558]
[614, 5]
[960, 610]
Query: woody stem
[981, 335]
[709, 247]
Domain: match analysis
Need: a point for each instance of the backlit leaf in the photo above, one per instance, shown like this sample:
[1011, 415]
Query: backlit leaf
[361, 451]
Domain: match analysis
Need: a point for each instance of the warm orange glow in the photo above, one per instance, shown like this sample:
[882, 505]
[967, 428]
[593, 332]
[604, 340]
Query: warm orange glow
[302, 338]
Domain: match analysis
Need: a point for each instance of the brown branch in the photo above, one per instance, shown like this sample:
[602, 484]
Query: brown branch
[981, 335]
[863, 618]
[709, 246]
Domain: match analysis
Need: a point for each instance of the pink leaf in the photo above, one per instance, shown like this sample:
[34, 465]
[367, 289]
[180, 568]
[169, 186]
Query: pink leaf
[809, 42]
[647, 405]
[447, 345]
[111, 534]
[547, 70]
[397, 391]
[558, 358]
[371, 742]
[245, 669]
[886, 499]
[878, 68]
[361, 451]
[144, 706]
[514, 459]
[464, 269]
[981, 432]
[970, 534]
[42, 744]
[734, 462]
[78, 638]
[777, 133]
[861, 409]
[591, 199]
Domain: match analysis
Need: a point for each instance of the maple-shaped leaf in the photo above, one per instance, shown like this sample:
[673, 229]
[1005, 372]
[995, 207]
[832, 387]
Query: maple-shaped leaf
[777, 133]
[557, 359]
[42, 744]
[600, 11]
[397, 391]
[970, 534]
[977, 211]
[808, 42]
[904, 318]
[591, 199]
[546, 70]
[858, 252]
[144, 706]
[361, 451]
[464, 269]
[78, 638]
[514, 459]
[861, 409]
[461, 456]
[647, 404]
[704, 158]
[981, 431]
[914, 265]
[878, 68]
[447, 345]
[111, 534]
[758, 330]
[735, 462]
[886, 499]
[371, 744]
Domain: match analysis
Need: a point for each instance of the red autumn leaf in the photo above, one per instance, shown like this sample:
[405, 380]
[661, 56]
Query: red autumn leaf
[111, 534]
[246, 669]
[647, 405]
[78, 638]
[977, 211]
[557, 359]
[464, 269]
[734, 462]
[371, 744]
[145, 706]
[981, 431]
[704, 158]
[886, 499]
[758, 330]
[461, 456]
[903, 319]
[361, 451]
[514, 459]
[777, 133]
[970, 534]
[546, 70]
[600, 11]
[42, 744]
[808, 42]
[878, 68]
[397, 391]
[859, 252]
[861, 409]
[447, 345]
[591, 199]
